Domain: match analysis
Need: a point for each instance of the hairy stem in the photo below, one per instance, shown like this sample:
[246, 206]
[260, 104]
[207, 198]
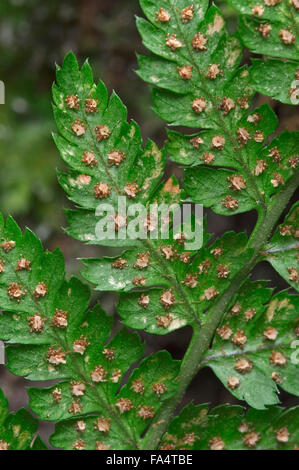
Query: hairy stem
[202, 336]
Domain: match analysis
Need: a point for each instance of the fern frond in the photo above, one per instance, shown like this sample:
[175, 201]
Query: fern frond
[282, 250]
[18, 430]
[53, 336]
[200, 283]
[104, 153]
[271, 28]
[215, 96]
[253, 351]
[233, 428]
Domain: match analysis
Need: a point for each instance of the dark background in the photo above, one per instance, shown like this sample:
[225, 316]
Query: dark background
[34, 34]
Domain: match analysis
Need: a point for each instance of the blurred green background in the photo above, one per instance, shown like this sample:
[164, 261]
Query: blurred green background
[34, 34]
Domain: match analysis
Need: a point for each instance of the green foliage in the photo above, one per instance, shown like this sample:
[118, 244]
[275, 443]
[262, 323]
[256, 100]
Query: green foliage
[110, 155]
[106, 394]
[253, 345]
[271, 28]
[276, 78]
[164, 263]
[282, 251]
[233, 428]
[270, 166]
[282, 16]
[196, 285]
[248, 172]
[17, 430]
[54, 336]
[161, 285]
[212, 47]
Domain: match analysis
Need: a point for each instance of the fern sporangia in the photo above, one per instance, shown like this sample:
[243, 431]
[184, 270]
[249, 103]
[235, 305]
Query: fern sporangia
[249, 171]
[106, 394]
[231, 427]
[18, 430]
[104, 152]
[253, 345]
[271, 28]
[55, 336]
